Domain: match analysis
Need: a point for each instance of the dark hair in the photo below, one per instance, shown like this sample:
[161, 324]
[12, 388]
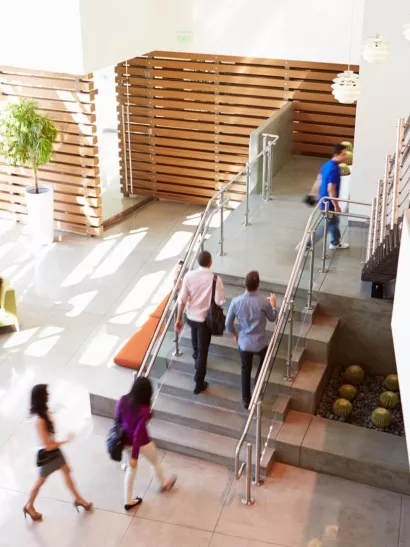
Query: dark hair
[252, 281]
[338, 149]
[39, 397]
[141, 392]
[204, 259]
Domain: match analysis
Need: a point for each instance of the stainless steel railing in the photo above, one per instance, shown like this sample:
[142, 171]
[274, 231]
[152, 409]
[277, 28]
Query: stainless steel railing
[216, 204]
[393, 191]
[314, 220]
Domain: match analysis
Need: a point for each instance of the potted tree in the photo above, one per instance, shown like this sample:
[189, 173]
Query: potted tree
[26, 140]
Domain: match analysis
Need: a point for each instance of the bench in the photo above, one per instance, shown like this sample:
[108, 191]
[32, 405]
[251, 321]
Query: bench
[132, 354]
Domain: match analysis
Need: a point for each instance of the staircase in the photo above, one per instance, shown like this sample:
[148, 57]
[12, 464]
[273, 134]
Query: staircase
[209, 425]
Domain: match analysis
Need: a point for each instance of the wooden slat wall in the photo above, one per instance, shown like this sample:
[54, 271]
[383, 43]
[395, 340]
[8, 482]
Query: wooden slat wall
[74, 173]
[190, 117]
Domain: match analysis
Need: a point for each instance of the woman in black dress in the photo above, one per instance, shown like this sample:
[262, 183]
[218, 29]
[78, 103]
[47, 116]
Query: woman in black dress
[49, 457]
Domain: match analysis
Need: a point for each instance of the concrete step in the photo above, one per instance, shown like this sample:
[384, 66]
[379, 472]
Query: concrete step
[202, 444]
[228, 371]
[180, 384]
[204, 417]
[344, 450]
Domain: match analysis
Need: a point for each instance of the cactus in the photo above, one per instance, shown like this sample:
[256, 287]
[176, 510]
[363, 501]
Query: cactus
[348, 145]
[342, 408]
[389, 399]
[392, 382]
[354, 375]
[347, 391]
[349, 158]
[381, 418]
[344, 170]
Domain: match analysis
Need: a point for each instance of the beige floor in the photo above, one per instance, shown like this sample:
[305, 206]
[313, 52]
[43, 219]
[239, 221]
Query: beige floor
[79, 300]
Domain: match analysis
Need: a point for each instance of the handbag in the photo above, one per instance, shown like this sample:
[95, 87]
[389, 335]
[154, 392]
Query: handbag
[115, 440]
[45, 457]
[313, 197]
[215, 317]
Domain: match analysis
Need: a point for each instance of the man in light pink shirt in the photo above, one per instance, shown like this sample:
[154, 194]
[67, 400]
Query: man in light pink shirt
[196, 292]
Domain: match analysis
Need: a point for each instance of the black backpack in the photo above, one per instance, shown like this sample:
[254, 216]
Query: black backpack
[215, 318]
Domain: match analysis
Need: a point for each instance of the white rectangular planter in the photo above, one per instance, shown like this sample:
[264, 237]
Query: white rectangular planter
[40, 211]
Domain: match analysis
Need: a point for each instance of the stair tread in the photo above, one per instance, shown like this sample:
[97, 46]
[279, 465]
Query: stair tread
[201, 441]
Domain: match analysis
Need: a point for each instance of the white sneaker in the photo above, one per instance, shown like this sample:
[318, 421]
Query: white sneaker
[340, 246]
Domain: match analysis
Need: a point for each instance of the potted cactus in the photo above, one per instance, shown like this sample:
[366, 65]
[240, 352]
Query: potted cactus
[26, 140]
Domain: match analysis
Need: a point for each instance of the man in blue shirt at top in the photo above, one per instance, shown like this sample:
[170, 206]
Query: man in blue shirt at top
[251, 310]
[330, 187]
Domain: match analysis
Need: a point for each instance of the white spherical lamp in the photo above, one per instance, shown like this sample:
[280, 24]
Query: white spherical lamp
[375, 50]
[406, 31]
[346, 87]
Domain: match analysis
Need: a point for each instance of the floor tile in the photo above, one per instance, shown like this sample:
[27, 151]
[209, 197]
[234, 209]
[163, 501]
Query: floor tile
[197, 498]
[218, 540]
[294, 517]
[147, 533]
[61, 525]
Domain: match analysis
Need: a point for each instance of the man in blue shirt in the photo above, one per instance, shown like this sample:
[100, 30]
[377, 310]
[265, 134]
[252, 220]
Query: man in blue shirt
[251, 310]
[330, 187]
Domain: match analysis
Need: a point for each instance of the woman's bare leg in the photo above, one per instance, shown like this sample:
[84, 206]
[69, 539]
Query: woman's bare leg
[34, 492]
[70, 484]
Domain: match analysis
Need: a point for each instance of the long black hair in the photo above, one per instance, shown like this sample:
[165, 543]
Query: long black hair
[39, 399]
[141, 392]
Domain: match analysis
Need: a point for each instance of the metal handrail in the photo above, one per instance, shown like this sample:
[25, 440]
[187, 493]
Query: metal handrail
[310, 226]
[193, 251]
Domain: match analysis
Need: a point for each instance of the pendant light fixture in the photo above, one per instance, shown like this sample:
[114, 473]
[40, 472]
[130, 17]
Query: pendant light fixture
[346, 86]
[375, 49]
[406, 31]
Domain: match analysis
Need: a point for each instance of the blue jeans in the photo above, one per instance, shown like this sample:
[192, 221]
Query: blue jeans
[334, 231]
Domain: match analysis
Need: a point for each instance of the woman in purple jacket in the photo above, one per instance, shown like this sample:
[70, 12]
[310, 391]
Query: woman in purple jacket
[133, 412]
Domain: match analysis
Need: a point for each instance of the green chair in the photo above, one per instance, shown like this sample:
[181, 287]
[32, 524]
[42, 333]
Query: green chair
[8, 305]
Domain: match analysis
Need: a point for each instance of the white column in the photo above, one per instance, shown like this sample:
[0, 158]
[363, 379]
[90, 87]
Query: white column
[384, 98]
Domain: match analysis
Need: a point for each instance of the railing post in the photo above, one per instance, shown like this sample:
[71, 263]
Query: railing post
[258, 481]
[324, 251]
[269, 175]
[377, 219]
[397, 171]
[384, 199]
[288, 377]
[311, 270]
[221, 240]
[177, 352]
[248, 499]
[264, 166]
[248, 182]
[124, 144]
[371, 228]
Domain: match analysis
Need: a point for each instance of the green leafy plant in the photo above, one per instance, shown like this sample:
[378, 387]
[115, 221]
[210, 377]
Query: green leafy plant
[347, 391]
[389, 399]
[392, 382]
[342, 408]
[354, 375]
[381, 418]
[26, 137]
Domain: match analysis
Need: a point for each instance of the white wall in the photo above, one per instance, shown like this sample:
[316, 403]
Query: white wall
[385, 96]
[81, 36]
[41, 35]
[314, 30]
[401, 322]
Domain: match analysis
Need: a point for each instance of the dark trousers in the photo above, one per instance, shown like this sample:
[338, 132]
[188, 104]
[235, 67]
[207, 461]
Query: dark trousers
[201, 339]
[247, 360]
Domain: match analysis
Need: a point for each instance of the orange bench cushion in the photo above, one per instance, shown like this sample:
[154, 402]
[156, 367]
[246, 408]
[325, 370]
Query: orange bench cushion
[132, 354]
[160, 308]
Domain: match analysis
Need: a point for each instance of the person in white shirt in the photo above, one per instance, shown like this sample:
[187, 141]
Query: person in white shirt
[196, 292]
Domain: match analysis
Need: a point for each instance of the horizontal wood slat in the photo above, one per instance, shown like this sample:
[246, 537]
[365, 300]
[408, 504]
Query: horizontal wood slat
[74, 170]
[188, 118]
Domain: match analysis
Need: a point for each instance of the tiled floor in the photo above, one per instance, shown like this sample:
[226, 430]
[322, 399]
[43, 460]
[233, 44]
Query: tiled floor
[79, 300]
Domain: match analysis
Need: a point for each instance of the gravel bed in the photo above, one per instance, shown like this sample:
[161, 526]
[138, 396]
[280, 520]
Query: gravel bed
[366, 400]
